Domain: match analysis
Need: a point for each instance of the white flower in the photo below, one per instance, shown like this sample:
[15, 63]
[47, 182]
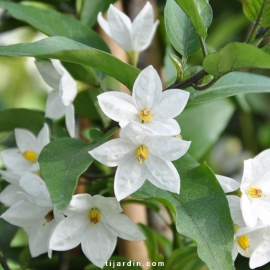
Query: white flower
[132, 37]
[59, 102]
[255, 189]
[34, 213]
[140, 155]
[94, 222]
[25, 157]
[147, 105]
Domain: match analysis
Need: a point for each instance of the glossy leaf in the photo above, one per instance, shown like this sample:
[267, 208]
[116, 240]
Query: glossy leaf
[208, 121]
[90, 10]
[21, 118]
[71, 51]
[180, 30]
[199, 12]
[202, 213]
[61, 163]
[232, 84]
[257, 9]
[235, 56]
[53, 23]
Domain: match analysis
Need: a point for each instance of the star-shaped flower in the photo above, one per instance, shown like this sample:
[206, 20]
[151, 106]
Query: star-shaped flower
[95, 223]
[59, 102]
[140, 154]
[132, 37]
[255, 189]
[147, 105]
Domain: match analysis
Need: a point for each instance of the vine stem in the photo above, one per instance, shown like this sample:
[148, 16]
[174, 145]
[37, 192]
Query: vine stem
[203, 46]
[253, 33]
[3, 263]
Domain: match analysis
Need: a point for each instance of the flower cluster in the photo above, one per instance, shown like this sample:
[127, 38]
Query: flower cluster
[146, 147]
[251, 211]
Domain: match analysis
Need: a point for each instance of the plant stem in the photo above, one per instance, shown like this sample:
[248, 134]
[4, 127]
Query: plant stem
[64, 260]
[204, 50]
[253, 33]
[3, 263]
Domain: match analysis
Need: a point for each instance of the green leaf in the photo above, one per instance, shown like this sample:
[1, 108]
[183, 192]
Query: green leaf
[232, 84]
[199, 12]
[202, 213]
[235, 56]
[71, 51]
[208, 121]
[53, 23]
[21, 118]
[180, 30]
[61, 163]
[185, 259]
[255, 9]
[90, 10]
[7, 233]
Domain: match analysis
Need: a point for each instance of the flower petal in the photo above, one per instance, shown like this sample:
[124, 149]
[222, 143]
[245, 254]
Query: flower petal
[13, 160]
[165, 127]
[25, 140]
[168, 148]
[69, 232]
[120, 28]
[260, 256]
[58, 67]
[163, 174]
[98, 244]
[107, 205]
[67, 89]
[118, 106]
[43, 137]
[227, 184]
[49, 73]
[142, 26]
[54, 107]
[150, 36]
[123, 227]
[261, 164]
[9, 195]
[104, 24]
[79, 203]
[147, 89]
[112, 152]
[247, 175]
[171, 104]
[129, 177]
[262, 209]
[34, 200]
[70, 120]
[249, 216]
[12, 177]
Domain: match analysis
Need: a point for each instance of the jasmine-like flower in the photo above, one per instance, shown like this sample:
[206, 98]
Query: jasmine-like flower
[132, 37]
[148, 105]
[59, 102]
[95, 223]
[140, 154]
[34, 213]
[25, 157]
[255, 189]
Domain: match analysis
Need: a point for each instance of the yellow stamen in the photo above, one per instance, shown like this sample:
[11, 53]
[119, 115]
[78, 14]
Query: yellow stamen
[94, 216]
[243, 242]
[142, 154]
[255, 192]
[145, 115]
[49, 217]
[30, 155]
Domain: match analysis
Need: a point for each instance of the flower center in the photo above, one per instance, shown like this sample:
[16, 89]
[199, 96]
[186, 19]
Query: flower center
[30, 155]
[243, 242]
[255, 192]
[49, 217]
[142, 154]
[94, 216]
[145, 115]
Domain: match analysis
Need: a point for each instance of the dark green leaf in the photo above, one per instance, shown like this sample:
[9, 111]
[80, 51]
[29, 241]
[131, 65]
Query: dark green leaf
[208, 121]
[257, 9]
[199, 12]
[232, 84]
[90, 10]
[53, 23]
[21, 118]
[202, 213]
[235, 56]
[61, 163]
[180, 30]
[71, 51]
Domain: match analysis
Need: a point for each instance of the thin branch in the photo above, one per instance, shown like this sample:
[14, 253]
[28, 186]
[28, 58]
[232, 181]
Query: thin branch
[4, 263]
[204, 50]
[64, 260]
[206, 86]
